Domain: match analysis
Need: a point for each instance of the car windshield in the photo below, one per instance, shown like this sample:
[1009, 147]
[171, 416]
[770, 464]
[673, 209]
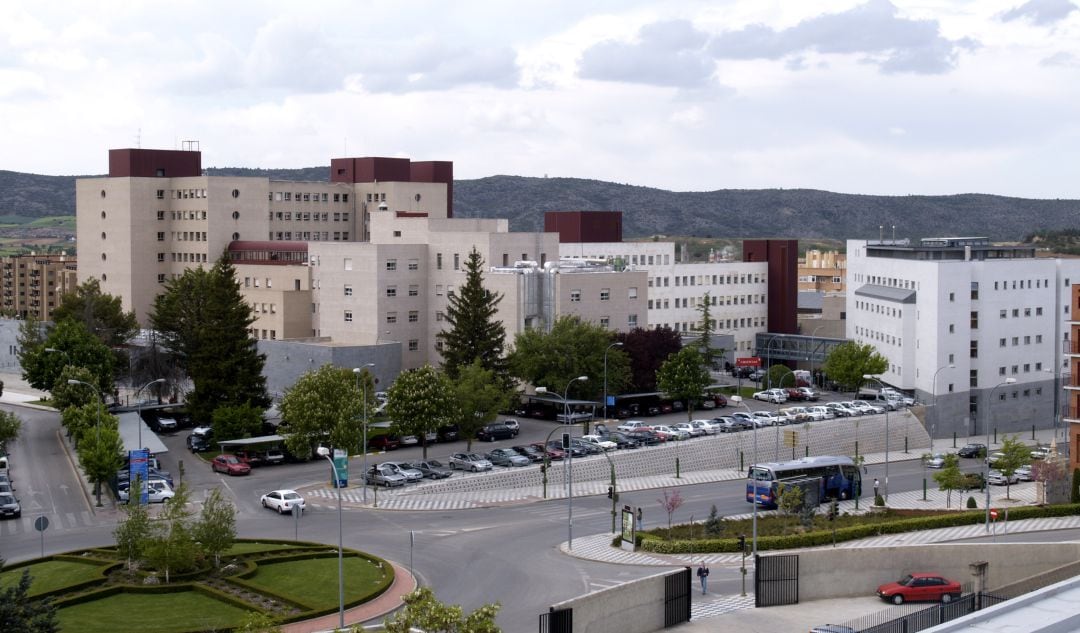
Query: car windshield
[7, 500]
[906, 580]
[290, 496]
[231, 460]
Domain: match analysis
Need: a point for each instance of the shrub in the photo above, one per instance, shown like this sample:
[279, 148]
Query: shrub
[1075, 496]
[879, 500]
[971, 503]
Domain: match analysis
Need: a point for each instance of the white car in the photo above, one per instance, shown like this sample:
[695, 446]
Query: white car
[766, 418]
[770, 395]
[632, 425]
[167, 424]
[820, 413]
[596, 440]
[707, 427]
[670, 432]
[998, 478]
[937, 460]
[157, 492]
[1024, 473]
[872, 408]
[469, 461]
[410, 474]
[691, 430]
[839, 410]
[283, 501]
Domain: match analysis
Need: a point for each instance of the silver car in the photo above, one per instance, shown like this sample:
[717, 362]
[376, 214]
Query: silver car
[469, 461]
[410, 474]
[383, 475]
[507, 457]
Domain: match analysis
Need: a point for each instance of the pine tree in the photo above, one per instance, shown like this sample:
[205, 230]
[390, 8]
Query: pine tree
[203, 321]
[707, 327]
[19, 612]
[474, 332]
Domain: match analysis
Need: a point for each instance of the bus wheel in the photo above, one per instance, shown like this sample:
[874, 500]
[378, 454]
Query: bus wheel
[843, 495]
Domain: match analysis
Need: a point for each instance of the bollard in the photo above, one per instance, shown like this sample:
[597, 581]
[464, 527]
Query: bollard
[954, 439]
[676, 468]
[808, 451]
[995, 435]
[924, 489]
[742, 467]
[905, 444]
[1032, 431]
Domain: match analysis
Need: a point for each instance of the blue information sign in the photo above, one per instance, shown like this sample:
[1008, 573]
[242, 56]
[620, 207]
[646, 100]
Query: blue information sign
[341, 467]
[138, 470]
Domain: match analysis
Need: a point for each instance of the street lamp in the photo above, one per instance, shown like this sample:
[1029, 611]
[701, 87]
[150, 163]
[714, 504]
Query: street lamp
[986, 478]
[768, 360]
[615, 344]
[738, 400]
[812, 333]
[73, 381]
[363, 387]
[933, 388]
[569, 462]
[881, 386]
[325, 452]
[138, 407]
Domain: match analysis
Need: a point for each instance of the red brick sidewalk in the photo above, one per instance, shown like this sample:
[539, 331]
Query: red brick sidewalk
[390, 600]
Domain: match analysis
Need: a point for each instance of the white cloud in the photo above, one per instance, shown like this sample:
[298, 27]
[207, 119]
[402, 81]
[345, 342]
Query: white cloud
[1041, 12]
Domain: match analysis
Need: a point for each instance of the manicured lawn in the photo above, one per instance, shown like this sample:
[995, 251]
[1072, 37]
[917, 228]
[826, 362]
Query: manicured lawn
[314, 582]
[775, 525]
[53, 574]
[250, 548]
[143, 612]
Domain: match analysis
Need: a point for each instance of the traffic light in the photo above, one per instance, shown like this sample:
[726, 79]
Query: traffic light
[566, 441]
[834, 510]
[742, 542]
[610, 492]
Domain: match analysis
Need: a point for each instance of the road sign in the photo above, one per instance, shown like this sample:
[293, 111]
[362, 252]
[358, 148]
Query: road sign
[748, 361]
[791, 438]
[993, 514]
[41, 523]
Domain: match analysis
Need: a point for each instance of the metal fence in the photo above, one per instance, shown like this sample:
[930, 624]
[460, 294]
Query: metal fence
[557, 621]
[677, 598]
[776, 580]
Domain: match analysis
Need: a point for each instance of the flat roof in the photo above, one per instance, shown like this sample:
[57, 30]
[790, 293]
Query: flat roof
[129, 423]
[249, 441]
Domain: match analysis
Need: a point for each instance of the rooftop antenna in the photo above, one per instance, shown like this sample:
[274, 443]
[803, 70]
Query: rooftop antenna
[138, 139]
[881, 233]
[894, 233]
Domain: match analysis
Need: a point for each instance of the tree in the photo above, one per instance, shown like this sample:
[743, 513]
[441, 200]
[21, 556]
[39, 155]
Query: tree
[31, 340]
[215, 530]
[19, 612]
[101, 455]
[133, 530]
[100, 313]
[714, 525]
[684, 377]
[324, 406]
[706, 326]
[1014, 454]
[475, 332]
[420, 402]
[848, 362]
[670, 502]
[646, 350]
[791, 500]
[203, 321]
[74, 346]
[171, 546]
[779, 375]
[479, 397]
[79, 421]
[10, 425]
[237, 422]
[950, 477]
[65, 394]
[424, 612]
[572, 348]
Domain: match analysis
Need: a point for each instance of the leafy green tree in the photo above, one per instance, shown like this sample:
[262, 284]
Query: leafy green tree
[101, 455]
[475, 331]
[133, 530]
[100, 313]
[848, 362]
[203, 321]
[707, 327]
[645, 350]
[684, 377]
[31, 340]
[572, 348]
[424, 612]
[65, 394]
[171, 546]
[780, 375]
[323, 406]
[791, 500]
[950, 477]
[215, 530]
[421, 401]
[237, 422]
[74, 346]
[19, 612]
[10, 425]
[714, 525]
[479, 397]
[1014, 454]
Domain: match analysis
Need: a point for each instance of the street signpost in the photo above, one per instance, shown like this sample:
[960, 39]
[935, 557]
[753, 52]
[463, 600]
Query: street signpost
[41, 524]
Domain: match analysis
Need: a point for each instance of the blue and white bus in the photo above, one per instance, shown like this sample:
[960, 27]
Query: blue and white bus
[840, 478]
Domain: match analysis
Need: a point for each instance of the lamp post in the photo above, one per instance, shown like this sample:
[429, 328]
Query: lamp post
[138, 406]
[768, 360]
[986, 460]
[357, 371]
[880, 387]
[933, 388]
[812, 333]
[325, 452]
[569, 463]
[615, 344]
[738, 400]
[73, 381]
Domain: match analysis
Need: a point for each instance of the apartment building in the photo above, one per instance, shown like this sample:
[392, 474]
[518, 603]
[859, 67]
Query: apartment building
[976, 329]
[822, 271]
[31, 286]
[1071, 408]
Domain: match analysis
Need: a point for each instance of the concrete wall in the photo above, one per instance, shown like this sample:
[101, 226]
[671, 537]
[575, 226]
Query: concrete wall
[287, 361]
[830, 573]
[633, 607]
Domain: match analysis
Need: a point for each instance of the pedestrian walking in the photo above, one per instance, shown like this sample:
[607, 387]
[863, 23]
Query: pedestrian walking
[875, 488]
[703, 576]
[640, 523]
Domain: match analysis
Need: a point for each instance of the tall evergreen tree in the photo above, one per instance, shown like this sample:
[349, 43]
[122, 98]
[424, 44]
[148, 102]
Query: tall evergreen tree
[474, 332]
[706, 327]
[203, 321]
[19, 612]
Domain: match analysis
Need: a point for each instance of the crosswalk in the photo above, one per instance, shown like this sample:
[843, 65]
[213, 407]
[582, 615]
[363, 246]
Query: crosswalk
[57, 522]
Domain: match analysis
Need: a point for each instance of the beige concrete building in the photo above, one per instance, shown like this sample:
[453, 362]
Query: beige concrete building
[31, 286]
[822, 271]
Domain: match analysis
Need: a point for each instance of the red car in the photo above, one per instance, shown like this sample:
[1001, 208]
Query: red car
[553, 454]
[229, 464]
[920, 587]
[385, 442]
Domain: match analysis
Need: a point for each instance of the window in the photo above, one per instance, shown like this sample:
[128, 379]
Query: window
[391, 264]
[605, 294]
[348, 263]
[161, 257]
[1001, 370]
[160, 194]
[952, 297]
[633, 293]
[1027, 368]
[604, 322]
[1001, 342]
[1027, 312]
[1015, 341]
[414, 345]
[1038, 338]
[391, 291]
[974, 349]
[974, 320]
[161, 236]
[1002, 314]
[631, 321]
[161, 278]
[457, 261]
[414, 316]
[348, 290]
[974, 290]
[160, 215]
[348, 316]
[575, 295]
[952, 329]
[1016, 312]
[391, 317]
[438, 261]
[1015, 369]
[1038, 311]
[414, 264]
[414, 290]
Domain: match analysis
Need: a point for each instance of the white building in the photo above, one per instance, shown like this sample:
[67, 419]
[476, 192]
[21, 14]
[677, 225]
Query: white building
[958, 318]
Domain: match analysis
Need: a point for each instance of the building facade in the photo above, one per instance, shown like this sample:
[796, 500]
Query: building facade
[32, 285]
[1071, 410]
[822, 271]
[976, 329]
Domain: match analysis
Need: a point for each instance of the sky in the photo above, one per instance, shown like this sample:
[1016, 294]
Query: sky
[890, 97]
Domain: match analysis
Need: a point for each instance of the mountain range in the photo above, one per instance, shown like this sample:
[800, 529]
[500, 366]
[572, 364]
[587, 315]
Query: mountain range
[724, 213]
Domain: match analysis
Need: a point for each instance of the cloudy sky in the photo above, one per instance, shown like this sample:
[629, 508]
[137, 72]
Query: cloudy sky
[857, 96]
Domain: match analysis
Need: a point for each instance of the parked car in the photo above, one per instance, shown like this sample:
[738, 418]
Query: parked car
[937, 460]
[414, 440]
[383, 475]
[552, 453]
[996, 457]
[513, 425]
[469, 461]
[507, 457]
[156, 492]
[251, 458]
[920, 587]
[766, 418]
[998, 478]
[839, 410]
[273, 457]
[972, 450]
[867, 407]
[575, 450]
[632, 425]
[974, 481]
[748, 419]
[587, 448]
[198, 443]
[726, 424]
[432, 469]
[669, 433]
[821, 412]
[495, 431]
[448, 433]
[167, 425]
[771, 395]
[124, 474]
[809, 394]
[603, 444]
[410, 474]
[644, 437]
[691, 430]
[794, 394]
[532, 453]
[706, 427]
[1024, 473]
[229, 464]
[9, 506]
[1040, 452]
[622, 440]
[386, 442]
[283, 501]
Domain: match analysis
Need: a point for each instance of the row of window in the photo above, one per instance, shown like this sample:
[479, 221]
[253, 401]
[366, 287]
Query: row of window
[181, 194]
[875, 335]
[1016, 368]
[391, 264]
[703, 280]
[190, 214]
[254, 332]
[304, 196]
[1016, 340]
[308, 236]
[308, 216]
[695, 302]
[877, 308]
[185, 258]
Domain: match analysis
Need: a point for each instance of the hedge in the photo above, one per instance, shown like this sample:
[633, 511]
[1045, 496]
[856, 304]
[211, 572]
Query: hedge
[650, 543]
